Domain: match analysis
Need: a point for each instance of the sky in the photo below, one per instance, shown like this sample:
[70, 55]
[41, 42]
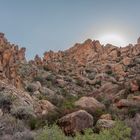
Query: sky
[43, 25]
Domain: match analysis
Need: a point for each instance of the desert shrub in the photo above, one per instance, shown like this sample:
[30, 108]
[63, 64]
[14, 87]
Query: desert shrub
[96, 115]
[131, 65]
[55, 99]
[35, 123]
[68, 102]
[119, 132]
[107, 102]
[22, 112]
[50, 77]
[41, 79]
[30, 88]
[10, 125]
[26, 135]
[51, 133]
[79, 83]
[98, 82]
[32, 123]
[24, 70]
[132, 111]
[109, 72]
[46, 68]
[6, 100]
[53, 116]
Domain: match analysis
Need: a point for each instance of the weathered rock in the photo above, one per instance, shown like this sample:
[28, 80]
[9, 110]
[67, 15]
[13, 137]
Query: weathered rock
[126, 61]
[44, 107]
[10, 56]
[38, 60]
[127, 103]
[76, 122]
[105, 124]
[106, 117]
[109, 90]
[90, 104]
[134, 85]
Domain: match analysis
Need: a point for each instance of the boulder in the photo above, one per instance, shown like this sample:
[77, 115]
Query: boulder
[44, 107]
[109, 90]
[126, 61]
[106, 117]
[105, 124]
[134, 85]
[76, 122]
[127, 103]
[90, 104]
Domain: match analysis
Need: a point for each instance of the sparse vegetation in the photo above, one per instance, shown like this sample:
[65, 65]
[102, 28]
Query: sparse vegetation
[119, 132]
[22, 112]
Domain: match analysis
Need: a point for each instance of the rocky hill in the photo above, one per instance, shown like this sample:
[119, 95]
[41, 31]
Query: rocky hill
[86, 86]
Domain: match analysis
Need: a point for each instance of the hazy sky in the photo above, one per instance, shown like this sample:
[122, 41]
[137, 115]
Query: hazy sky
[41, 25]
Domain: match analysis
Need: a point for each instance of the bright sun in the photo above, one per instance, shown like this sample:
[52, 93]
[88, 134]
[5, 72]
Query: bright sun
[113, 39]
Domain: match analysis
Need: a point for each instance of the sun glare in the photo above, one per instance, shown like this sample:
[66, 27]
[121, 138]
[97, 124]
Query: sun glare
[113, 39]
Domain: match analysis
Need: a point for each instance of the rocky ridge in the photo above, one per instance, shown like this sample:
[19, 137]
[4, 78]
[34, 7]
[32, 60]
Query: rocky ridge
[100, 83]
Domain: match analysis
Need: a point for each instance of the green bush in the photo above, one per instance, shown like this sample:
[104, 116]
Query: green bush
[51, 133]
[132, 111]
[119, 132]
[98, 82]
[6, 100]
[68, 102]
[53, 116]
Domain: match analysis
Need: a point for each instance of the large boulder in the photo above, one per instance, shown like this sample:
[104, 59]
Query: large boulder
[109, 90]
[90, 104]
[76, 122]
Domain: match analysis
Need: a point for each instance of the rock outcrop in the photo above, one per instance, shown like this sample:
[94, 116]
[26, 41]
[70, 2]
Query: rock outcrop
[88, 76]
[10, 56]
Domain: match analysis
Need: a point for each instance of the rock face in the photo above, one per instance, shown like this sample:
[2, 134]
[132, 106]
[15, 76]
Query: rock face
[10, 56]
[76, 122]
